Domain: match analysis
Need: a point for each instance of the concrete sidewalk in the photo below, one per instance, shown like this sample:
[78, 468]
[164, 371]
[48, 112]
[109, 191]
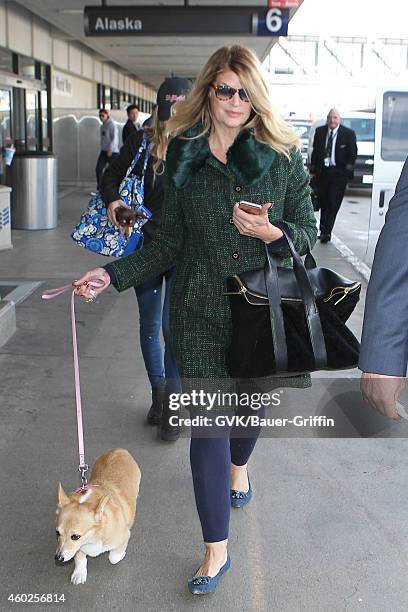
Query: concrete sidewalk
[326, 530]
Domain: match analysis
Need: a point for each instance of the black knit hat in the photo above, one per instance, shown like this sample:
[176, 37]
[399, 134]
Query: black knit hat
[171, 90]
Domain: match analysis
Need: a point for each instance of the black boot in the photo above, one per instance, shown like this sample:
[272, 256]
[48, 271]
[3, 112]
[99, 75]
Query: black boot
[155, 410]
[169, 431]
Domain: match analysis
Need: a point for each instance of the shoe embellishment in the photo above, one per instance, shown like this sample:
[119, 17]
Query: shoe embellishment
[240, 498]
[238, 494]
[201, 580]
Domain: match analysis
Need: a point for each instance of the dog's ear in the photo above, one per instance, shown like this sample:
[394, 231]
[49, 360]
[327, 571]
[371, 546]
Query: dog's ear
[101, 507]
[63, 498]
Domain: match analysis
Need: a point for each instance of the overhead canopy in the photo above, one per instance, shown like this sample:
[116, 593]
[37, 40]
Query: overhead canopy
[149, 58]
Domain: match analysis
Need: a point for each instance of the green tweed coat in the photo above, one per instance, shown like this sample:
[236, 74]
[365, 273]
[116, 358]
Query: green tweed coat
[197, 234]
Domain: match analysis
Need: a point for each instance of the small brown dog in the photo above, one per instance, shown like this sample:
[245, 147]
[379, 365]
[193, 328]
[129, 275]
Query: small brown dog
[126, 218]
[98, 519]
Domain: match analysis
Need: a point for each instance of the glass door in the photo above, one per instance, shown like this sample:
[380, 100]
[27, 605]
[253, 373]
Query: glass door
[5, 128]
[32, 120]
[26, 119]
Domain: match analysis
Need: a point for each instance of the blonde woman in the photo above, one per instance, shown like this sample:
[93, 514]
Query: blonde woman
[153, 312]
[228, 145]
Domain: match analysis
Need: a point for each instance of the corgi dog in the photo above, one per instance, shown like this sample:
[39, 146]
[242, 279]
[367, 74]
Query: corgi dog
[97, 518]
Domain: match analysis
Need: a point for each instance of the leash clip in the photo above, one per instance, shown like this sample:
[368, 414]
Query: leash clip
[83, 469]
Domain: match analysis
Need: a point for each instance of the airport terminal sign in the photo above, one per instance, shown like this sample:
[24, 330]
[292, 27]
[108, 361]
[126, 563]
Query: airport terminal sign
[284, 3]
[185, 21]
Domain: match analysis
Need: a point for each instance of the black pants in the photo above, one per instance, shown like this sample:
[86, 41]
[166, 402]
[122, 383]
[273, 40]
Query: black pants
[103, 159]
[332, 184]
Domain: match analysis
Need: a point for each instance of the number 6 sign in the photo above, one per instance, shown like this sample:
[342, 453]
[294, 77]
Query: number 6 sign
[273, 23]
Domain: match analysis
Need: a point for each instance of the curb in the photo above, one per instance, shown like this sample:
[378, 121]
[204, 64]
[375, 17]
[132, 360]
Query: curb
[7, 321]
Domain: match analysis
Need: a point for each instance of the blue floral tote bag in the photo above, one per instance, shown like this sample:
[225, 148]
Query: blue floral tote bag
[96, 233]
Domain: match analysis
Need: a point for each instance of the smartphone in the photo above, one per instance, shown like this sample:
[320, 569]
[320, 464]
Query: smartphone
[250, 207]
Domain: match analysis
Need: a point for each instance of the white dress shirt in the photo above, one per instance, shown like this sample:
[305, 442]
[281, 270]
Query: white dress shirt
[333, 151]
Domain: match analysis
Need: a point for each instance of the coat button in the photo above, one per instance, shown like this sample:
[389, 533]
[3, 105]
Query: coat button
[235, 255]
[231, 220]
[238, 188]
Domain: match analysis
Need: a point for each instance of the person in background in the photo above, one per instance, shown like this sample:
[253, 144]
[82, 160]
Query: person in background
[384, 343]
[132, 124]
[109, 144]
[227, 145]
[332, 165]
[153, 314]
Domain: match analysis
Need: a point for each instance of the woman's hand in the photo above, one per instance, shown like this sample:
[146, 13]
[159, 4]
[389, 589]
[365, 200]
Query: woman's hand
[257, 226]
[92, 283]
[110, 210]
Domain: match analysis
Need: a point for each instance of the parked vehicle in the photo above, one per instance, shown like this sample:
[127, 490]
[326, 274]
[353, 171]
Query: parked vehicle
[364, 126]
[391, 151]
[302, 129]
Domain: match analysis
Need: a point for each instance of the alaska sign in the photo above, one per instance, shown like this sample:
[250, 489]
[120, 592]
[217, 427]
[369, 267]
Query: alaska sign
[104, 24]
[185, 21]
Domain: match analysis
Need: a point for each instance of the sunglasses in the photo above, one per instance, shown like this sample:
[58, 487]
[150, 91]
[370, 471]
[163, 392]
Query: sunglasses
[226, 92]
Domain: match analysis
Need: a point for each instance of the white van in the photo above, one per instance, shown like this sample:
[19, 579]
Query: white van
[363, 125]
[391, 151]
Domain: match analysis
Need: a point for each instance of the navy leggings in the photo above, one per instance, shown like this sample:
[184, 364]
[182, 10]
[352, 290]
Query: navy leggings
[211, 459]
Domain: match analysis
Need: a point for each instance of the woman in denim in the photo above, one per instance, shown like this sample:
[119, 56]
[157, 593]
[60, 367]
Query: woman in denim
[153, 316]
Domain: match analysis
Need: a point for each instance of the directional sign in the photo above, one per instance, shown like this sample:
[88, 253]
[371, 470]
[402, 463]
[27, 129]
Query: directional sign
[286, 4]
[273, 23]
[185, 21]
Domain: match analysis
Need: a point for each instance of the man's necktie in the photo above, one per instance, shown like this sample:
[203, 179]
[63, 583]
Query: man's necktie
[329, 145]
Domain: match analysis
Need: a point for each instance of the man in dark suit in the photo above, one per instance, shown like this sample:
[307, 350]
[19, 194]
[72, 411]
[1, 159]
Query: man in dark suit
[132, 124]
[332, 165]
[384, 344]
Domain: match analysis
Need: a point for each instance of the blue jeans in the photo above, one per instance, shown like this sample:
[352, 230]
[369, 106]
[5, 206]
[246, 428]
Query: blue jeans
[153, 317]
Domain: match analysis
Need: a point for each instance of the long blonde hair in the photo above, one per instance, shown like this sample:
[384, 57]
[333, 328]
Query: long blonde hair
[158, 138]
[265, 123]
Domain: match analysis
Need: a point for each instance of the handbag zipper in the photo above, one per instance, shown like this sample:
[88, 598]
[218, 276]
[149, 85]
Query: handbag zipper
[336, 290]
[242, 290]
[341, 290]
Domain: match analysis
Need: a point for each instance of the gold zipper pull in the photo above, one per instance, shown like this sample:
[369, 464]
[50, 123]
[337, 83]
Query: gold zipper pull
[333, 292]
[240, 292]
[345, 292]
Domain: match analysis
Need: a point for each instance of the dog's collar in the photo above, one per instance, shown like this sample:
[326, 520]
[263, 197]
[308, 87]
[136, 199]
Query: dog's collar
[86, 488]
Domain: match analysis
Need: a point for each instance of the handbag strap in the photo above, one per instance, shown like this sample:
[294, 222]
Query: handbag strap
[310, 261]
[144, 146]
[130, 181]
[310, 307]
[276, 314]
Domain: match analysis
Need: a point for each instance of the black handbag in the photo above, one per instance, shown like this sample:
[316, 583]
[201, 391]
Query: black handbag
[289, 321]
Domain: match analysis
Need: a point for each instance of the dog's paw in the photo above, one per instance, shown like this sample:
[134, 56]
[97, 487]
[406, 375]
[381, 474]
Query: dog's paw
[79, 576]
[115, 557]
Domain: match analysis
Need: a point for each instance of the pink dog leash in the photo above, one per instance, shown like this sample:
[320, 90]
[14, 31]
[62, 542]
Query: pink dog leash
[94, 283]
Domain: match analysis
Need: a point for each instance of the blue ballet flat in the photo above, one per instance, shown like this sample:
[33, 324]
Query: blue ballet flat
[239, 498]
[200, 585]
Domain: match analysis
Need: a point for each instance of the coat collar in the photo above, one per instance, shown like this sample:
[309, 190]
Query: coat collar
[248, 159]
